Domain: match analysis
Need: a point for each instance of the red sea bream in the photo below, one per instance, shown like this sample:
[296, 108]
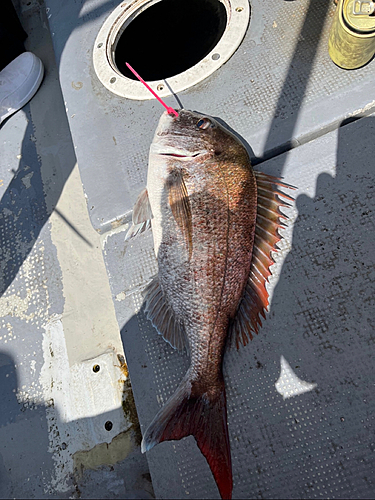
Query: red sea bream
[214, 222]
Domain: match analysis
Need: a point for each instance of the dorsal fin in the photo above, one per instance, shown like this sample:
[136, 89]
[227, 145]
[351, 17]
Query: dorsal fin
[141, 217]
[162, 317]
[255, 299]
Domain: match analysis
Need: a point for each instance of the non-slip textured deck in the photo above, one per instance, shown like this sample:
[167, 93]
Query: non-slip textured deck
[280, 88]
[56, 315]
[319, 444]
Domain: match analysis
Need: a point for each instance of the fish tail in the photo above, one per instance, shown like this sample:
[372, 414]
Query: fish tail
[201, 412]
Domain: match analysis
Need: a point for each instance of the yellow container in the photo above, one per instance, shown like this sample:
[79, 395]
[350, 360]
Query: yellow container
[352, 37]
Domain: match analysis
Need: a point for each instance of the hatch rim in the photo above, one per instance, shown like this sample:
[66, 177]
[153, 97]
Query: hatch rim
[238, 18]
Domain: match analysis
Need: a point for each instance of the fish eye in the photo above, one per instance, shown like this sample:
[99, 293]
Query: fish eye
[204, 123]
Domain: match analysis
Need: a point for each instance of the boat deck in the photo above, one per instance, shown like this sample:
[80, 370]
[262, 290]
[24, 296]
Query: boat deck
[300, 405]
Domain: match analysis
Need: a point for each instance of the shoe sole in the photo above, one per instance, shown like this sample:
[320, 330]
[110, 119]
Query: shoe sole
[31, 93]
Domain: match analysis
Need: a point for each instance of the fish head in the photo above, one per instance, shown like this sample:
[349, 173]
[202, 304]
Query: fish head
[196, 136]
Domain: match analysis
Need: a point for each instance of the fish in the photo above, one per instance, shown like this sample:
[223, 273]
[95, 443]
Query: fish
[215, 225]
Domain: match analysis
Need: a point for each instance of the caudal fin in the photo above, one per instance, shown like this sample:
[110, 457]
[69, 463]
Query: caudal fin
[203, 415]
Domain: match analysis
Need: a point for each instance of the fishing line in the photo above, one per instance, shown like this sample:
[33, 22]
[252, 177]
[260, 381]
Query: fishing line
[168, 108]
[174, 95]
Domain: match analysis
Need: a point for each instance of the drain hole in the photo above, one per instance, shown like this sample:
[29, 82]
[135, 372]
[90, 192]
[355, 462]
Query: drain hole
[108, 425]
[170, 37]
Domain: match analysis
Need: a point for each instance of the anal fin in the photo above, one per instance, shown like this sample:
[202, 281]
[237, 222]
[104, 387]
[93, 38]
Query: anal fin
[254, 302]
[162, 317]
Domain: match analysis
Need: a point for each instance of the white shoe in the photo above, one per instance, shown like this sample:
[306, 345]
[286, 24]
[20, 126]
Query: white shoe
[19, 81]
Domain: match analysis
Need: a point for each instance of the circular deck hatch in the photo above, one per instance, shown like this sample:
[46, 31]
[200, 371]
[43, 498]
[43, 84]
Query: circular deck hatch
[173, 44]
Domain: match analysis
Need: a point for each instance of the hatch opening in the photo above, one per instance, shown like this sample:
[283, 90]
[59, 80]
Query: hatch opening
[170, 37]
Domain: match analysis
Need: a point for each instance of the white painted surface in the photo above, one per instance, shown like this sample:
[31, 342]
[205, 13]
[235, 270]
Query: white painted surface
[288, 384]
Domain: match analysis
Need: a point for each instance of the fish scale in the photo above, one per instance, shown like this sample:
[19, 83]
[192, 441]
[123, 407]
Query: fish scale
[215, 223]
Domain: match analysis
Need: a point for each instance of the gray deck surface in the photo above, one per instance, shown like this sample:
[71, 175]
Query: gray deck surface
[280, 87]
[279, 91]
[56, 314]
[317, 444]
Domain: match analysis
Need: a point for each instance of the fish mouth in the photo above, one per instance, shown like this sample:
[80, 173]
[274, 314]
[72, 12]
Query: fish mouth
[177, 155]
[181, 153]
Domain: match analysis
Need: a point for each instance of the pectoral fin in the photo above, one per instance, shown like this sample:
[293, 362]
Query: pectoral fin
[142, 215]
[179, 202]
[254, 302]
